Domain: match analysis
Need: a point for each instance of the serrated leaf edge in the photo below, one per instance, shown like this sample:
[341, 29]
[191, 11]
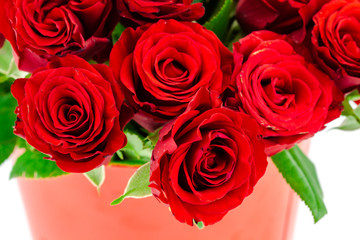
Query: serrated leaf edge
[217, 14]
[319, 214]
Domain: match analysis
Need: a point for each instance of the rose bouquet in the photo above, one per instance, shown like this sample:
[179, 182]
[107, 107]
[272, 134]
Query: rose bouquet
[197, 94]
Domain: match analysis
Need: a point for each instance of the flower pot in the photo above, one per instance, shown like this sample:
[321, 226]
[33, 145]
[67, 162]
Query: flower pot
[69, 207]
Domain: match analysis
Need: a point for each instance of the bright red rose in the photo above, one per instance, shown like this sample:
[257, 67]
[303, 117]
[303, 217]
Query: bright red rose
[281, 16]
[39, 30]
[140, 12]
[289, 97]
[207, 161]
[336, 39]
[161, 67]
[72, 111]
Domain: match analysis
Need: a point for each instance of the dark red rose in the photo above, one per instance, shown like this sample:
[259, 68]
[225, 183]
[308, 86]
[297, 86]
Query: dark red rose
[289, 97]
[72, 111]
[281, 16]
[336, 39]
[39, 30]
[2, 39]
[207, 161]
[161, 67]
[140, 12]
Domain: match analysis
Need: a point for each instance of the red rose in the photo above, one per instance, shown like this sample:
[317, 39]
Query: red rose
[39, 30]
[206, 161]
[72, 111]
[161, 67]
[2, 39]
[289, 97]
[140, 12]
[281, 16]
[336, 39]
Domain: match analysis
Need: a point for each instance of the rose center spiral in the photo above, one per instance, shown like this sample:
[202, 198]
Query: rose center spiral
[171, 69]
[276, 91]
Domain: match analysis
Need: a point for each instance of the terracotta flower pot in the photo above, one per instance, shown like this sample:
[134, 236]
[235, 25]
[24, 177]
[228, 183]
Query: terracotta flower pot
[69, 207]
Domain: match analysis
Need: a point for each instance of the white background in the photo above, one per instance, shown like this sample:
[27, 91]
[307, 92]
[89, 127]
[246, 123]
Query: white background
[335, 154]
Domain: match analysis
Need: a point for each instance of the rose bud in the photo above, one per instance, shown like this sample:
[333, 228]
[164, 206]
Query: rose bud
[288, 96]
[73, 111]
[39, 30]
[206, 161]
[281, 16]
[139, 12]
[161, 67]
[336, 41]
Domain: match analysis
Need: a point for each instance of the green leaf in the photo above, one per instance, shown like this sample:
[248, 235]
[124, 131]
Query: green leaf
[22, 143]
[348, 110]
[134, 128]
[117, 32]
[7, 120]
[134, 142]
[153, 138]
[234, 34]
[299, 172]
[357, 113]
[8, 68]
[5, 87]
[352, 121]
[6, 149]
[349, 124]
[138, 185]
[353, 96]
[33, 165]
[200, 224]
[135, 153]
[96, 176]
[139, 147]
[219, 21]
[129, 163]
